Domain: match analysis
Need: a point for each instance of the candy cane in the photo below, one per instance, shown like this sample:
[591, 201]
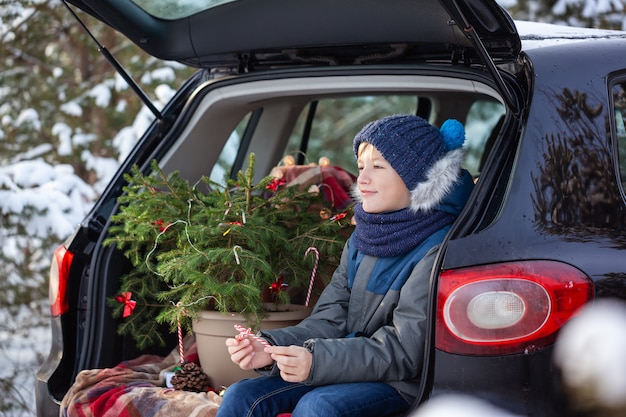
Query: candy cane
[313, 273]
[180, 343]
[181, 350]
[243, 333]
[235, 249]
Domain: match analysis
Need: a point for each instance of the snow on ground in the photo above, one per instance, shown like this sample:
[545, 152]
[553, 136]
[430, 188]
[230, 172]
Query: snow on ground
[24, 343]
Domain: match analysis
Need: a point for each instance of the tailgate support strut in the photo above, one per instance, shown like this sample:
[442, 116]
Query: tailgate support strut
[491, 67]
[120, 70]
[470, 32]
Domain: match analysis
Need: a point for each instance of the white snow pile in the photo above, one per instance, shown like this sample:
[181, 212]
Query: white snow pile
[591, 354]
[458, 405]
[45, 199]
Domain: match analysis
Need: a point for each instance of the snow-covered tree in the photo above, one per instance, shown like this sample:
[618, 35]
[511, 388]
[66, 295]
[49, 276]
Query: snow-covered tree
[66, 120]
[604, 14]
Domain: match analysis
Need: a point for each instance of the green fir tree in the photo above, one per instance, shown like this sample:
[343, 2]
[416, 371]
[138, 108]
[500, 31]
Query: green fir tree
[237, 248]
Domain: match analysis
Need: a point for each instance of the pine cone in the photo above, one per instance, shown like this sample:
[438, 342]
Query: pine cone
[191, 377]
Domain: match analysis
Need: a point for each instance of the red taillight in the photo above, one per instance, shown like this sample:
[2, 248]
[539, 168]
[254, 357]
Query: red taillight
[507, 308]
[59, 276]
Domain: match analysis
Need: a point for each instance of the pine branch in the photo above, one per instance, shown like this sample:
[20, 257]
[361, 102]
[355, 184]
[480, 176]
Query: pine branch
[222, 249]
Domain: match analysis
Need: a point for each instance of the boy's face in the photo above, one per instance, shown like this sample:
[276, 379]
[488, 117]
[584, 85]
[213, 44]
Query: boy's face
[379, 185]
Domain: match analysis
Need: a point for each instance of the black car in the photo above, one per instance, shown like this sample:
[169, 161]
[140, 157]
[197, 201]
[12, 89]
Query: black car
[544, 231]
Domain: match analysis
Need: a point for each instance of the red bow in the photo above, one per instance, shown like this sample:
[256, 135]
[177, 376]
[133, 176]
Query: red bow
[277, 182]
[278, 285]
[129, 305]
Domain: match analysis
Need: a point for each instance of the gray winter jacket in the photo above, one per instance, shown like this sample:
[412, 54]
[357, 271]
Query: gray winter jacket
[359, 334]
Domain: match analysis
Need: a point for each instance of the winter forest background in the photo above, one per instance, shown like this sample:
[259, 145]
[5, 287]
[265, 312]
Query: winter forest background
[67, 120]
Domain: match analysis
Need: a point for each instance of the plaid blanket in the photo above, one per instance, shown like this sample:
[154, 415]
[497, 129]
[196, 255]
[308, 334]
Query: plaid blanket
[136, 388]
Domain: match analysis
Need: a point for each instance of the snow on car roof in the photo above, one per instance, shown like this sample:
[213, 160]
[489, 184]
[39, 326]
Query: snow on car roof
[535, 35]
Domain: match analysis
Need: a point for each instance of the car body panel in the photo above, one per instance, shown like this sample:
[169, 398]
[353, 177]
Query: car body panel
[556, 217]
[559, 222]
[232, 33]
[515, 383]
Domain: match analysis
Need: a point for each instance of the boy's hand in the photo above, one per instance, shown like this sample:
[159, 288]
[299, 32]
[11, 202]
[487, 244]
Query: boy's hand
[294, 362]
[248, 353]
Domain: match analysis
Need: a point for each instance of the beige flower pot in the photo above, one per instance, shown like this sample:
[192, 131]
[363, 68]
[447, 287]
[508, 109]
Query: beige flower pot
[213, 328]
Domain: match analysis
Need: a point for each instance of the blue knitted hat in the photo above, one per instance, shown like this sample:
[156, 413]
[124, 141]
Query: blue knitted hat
[426, 158]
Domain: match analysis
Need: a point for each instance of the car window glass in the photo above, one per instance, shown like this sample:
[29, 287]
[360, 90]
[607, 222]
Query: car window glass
[172, 10]
[226, 160]
[336, 122]
[619, 101]
[480, 123]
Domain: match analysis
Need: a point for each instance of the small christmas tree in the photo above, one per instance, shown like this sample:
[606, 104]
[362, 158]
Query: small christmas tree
[231, 248]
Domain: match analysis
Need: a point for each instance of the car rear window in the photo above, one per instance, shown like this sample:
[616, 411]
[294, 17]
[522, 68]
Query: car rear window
[334, 122]
[176, 9]
[325, 128]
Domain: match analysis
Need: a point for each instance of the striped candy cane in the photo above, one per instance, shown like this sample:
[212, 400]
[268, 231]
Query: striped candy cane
[181, 350]
[243, 333]
[313, 273]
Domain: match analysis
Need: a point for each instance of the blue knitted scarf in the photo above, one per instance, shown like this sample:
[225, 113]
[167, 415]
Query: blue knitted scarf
[397, 232]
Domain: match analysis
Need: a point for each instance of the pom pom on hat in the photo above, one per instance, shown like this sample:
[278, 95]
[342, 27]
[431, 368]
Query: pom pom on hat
[426, 158]
[452, 134]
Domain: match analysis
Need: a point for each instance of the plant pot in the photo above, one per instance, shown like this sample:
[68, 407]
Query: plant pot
[212, 328]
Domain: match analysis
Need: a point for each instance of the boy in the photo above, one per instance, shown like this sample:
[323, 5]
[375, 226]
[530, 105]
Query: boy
[360, 352]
